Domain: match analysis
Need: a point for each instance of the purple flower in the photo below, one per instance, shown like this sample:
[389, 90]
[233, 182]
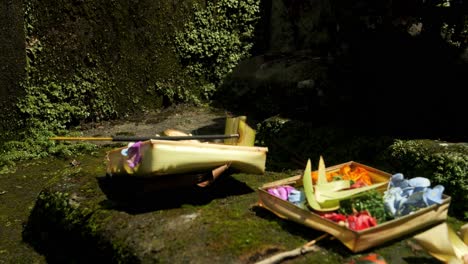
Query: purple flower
[133, 154]
[281, 191]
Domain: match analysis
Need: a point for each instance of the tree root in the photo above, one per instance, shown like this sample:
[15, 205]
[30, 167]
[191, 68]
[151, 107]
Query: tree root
[306, 248]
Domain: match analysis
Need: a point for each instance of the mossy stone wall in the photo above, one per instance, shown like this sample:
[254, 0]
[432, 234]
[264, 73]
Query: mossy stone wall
[291, 26]
[123, 46]
[12, 56]
[128, 43]
[299, 25]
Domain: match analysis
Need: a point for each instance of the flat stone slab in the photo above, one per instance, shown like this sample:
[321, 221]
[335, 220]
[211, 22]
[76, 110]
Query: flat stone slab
[85, 216]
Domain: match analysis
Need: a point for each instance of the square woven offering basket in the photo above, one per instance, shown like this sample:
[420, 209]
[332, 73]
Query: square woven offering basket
[356, 241]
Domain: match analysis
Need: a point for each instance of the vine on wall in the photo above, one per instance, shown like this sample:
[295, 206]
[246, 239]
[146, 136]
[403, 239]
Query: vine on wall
[217, 39]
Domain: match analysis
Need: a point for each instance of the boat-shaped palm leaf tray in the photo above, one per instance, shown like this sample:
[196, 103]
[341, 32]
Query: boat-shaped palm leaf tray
[163, 157]
[154, 157]
[356, 241]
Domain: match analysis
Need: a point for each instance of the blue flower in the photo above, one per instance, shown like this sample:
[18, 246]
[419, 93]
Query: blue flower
[406, 196]
[398, 180]
[414, 202]
[393, 199]
[433, 196]
[406, 192]
[296, 197]
[419, 183]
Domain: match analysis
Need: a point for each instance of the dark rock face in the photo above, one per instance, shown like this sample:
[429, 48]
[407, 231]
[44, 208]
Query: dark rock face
[399, 81]
[288, 84]
[388, 94]
[388, 71]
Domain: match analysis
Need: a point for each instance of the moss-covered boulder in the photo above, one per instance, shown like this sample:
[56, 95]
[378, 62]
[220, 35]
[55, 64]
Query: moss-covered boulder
[83, 216]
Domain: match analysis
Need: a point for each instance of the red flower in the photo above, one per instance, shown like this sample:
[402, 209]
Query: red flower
[334, 217]
[356, 221]
[361, 220]
[368, 259]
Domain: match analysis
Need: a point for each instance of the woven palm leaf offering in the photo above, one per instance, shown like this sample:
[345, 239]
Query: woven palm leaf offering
[361, 206]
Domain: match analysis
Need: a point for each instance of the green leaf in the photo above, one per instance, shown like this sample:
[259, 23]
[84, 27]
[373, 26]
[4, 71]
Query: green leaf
[322, 175]
[326, 196]
[346, 194]
[310, 195]
[334, 186]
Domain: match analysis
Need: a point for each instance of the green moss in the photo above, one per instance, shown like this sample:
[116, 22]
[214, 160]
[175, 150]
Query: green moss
[130, 47]
[62, 217]
[218, 38]
[22, 188]
[67, 214]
